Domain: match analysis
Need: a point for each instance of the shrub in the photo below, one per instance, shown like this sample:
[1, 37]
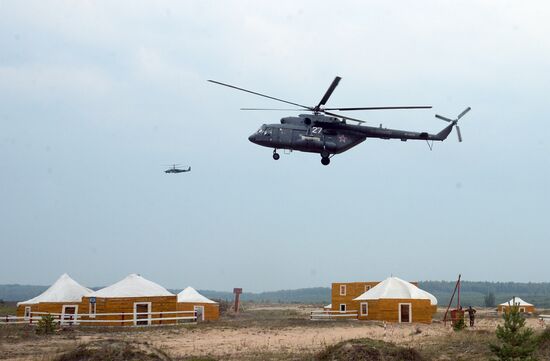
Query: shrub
[46, 325]
[225, 306]
[459, 325]
[517, 342]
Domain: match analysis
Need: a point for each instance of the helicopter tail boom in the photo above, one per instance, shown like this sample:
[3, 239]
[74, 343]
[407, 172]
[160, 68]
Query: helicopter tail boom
[442, 135]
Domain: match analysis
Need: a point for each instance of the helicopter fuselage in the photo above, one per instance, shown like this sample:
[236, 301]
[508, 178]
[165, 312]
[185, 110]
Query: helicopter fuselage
[299, 133]
[327, 135]
[177, 170]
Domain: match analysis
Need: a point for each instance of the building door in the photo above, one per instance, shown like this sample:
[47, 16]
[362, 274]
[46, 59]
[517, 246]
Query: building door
[141, 313]
[68, 315]
[199, 311]
[405, 312]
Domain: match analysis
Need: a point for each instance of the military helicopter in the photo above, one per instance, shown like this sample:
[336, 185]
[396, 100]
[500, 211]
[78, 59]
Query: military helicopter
[174, 169]
[328, 133]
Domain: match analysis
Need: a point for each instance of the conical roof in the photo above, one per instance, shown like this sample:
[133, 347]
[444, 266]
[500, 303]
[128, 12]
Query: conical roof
[393, 287]
[132, 286]
[65, 289]
[516, 301]
[190, 295]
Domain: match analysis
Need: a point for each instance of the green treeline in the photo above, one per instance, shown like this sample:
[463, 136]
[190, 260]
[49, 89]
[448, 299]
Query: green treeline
[472, 293]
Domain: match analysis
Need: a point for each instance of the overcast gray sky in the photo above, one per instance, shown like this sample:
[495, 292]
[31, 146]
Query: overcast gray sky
[95, 96]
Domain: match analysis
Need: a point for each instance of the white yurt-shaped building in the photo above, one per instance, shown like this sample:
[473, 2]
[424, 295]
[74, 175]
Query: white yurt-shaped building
[396, 300]
[191, 300]
[524, 307]
[133, 300]
[63, 298]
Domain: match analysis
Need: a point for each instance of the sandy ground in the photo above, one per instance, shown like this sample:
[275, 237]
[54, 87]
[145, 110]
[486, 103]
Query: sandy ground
[232, 342]
[228, 341]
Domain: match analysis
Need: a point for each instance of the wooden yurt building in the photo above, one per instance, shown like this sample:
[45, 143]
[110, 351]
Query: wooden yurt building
[131, 301]
[63, 298]
[191, 300]
[396, 300]
[524, 307]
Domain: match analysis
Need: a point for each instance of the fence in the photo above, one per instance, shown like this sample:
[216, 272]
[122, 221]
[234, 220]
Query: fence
[328, 315]
[137, 318]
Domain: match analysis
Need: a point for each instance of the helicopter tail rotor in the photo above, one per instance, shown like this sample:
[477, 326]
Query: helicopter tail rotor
[455, 121]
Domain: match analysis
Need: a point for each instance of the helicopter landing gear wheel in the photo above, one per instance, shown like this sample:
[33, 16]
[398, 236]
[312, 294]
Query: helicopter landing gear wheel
[276, 155]
[325, 154]
[325, 160]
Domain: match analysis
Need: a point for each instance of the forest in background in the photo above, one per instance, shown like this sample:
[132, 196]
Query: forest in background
[472, 293]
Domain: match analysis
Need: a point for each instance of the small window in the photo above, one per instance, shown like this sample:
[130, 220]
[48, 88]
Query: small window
[522, 309]
[27, 312]
[92, 310]
[342, 290]
[367, 287]
[343, 307]
[364, 308]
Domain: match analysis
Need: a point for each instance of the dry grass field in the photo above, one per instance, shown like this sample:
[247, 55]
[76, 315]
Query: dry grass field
[260, 333]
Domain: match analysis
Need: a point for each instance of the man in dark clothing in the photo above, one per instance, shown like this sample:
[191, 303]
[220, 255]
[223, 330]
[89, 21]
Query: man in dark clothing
[472, 314]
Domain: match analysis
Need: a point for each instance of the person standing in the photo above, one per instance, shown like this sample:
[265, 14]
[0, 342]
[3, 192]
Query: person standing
[472, 314]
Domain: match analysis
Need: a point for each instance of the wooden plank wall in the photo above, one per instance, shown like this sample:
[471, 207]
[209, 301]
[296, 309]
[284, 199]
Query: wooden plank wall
[211, 310]
[353, 290]
[528, 309]
[388, 310]
[126, 305]
[49, 307]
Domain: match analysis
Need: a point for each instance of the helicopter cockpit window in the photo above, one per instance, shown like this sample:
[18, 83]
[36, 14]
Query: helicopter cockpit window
[267, 132]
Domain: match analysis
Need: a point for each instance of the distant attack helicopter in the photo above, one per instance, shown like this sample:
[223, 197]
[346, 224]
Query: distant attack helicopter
[327, 133]
[174, 169]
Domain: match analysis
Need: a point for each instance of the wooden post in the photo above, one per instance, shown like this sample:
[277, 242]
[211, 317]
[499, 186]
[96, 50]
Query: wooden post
[458, 295]
[237, 292]
[160, 319]
[457, 287]
[122, 319]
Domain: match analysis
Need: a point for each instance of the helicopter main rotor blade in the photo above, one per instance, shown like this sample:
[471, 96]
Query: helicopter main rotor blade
[443, 118]
[329, 91]
[260, 94]
[384, 108]
[286, 110]
[344, 117]
[463, 113]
